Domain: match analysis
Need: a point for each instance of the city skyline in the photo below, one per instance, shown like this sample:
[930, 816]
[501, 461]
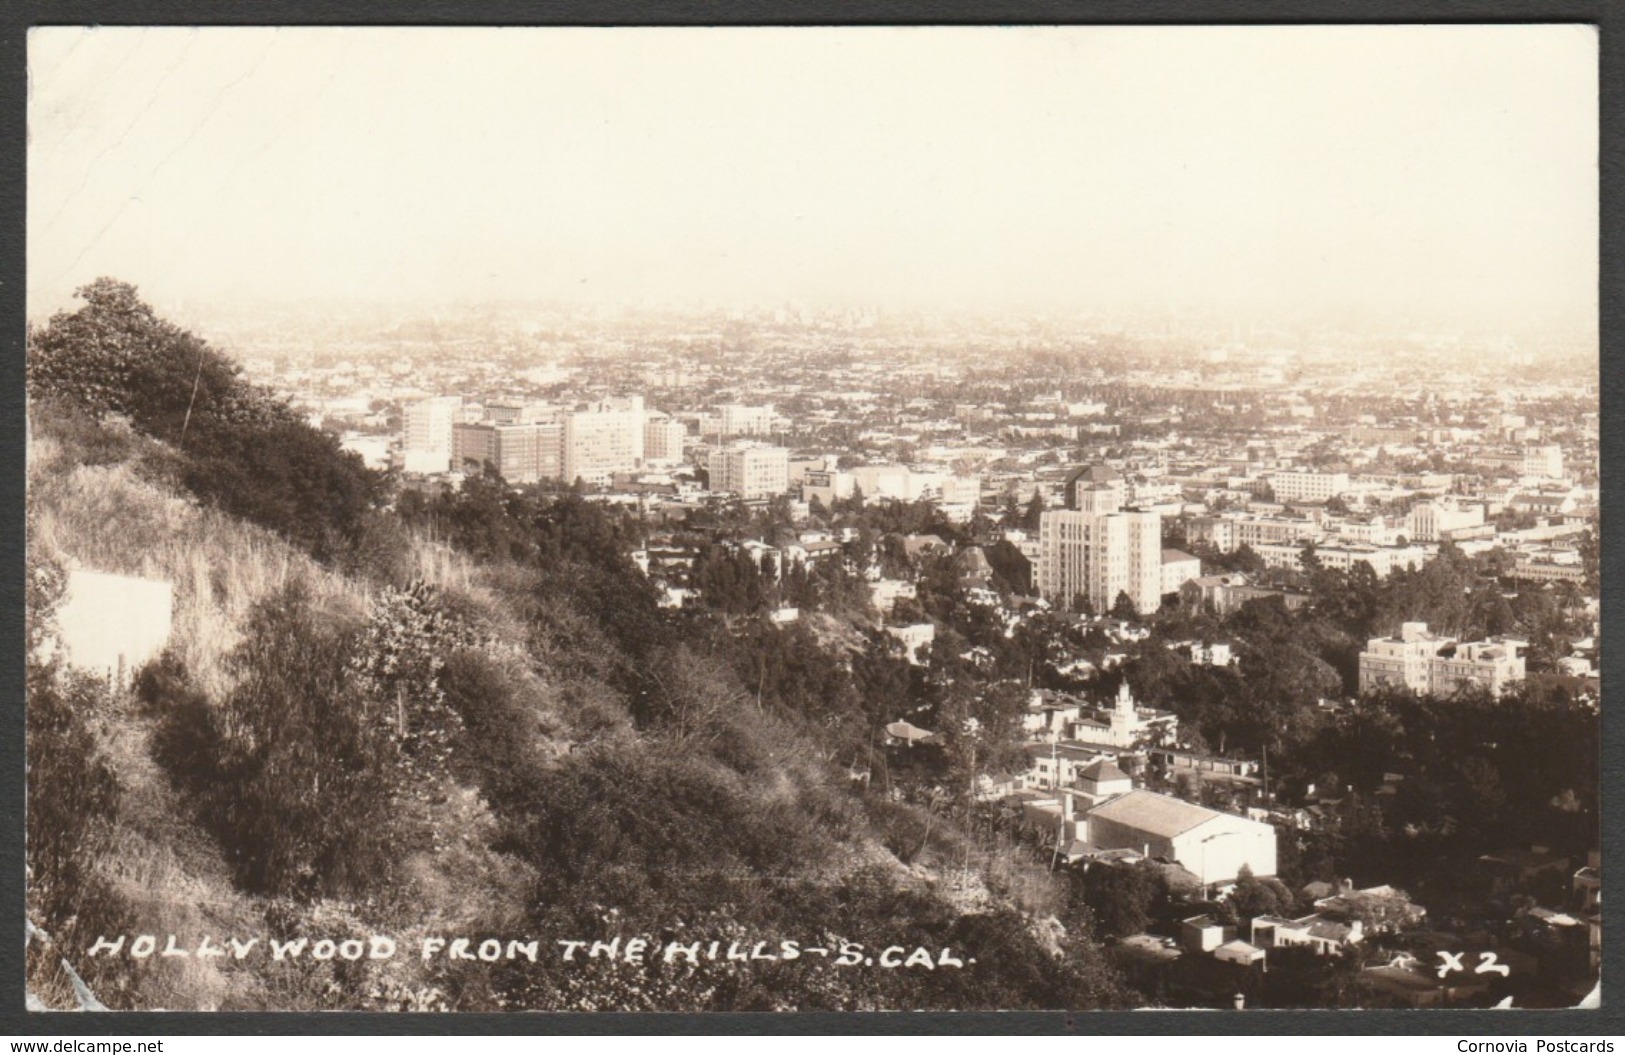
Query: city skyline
[1230, 170]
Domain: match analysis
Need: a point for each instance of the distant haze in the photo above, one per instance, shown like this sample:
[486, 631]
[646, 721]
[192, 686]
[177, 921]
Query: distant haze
[1450, 171]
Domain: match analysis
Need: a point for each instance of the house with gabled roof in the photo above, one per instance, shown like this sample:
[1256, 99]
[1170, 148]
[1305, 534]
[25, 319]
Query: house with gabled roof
[1214, 846]
[1327, 937]
[1102, 780]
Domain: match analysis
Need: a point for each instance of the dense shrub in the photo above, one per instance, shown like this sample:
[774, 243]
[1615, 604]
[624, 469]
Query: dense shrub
[242, 447]
[302, 798]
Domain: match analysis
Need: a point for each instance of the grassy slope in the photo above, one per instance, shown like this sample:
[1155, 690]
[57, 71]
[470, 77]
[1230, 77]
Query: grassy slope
[102, 497]
[98, 498]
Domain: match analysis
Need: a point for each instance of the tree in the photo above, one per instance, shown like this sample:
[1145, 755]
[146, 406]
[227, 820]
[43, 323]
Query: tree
[72, 791]
[1245, 559]
[300, 795]
[1121, 897]
[1591, 558]
[115, 356]
[242, 447]
[398, 662]
[1010, 509]
[1252, 896]
[1123, 607]
[1035, 511]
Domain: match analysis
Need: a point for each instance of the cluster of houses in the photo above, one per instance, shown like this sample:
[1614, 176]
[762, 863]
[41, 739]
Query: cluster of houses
[1076, 793]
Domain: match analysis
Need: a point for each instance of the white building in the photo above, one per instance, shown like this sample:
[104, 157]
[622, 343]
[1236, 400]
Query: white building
[914, 638]
[1099, 555]
[1214, 846]
[1436, 518]
[750, 471]
[885, 481]
[960, 490]
[736, 419]
[1217, 654]
[520, 453]
[1382, 559]
[663, 439]
[1303, 486]
[1373, 531]
[427, 426]
[1423, 662]
[1095, 489]
[1544, 461]
[603, 439]
[1178, 568]
[1231, 532]
[826, 485]
[1126, 726]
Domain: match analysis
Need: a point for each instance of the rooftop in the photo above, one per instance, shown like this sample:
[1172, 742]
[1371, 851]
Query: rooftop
[1102, 770]
[1095, 474]
[1148, 811]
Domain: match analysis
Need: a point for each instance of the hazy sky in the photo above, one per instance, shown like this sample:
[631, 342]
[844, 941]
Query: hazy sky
[1447, 169]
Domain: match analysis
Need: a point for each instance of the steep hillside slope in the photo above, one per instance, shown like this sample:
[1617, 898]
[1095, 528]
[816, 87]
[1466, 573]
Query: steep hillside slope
[376, 737]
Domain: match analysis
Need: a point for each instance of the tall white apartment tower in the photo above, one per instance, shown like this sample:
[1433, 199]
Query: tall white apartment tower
[603, 439]
[663, 439]
[1099, 555]
[428, 424]
[751, 471]
[737, 419]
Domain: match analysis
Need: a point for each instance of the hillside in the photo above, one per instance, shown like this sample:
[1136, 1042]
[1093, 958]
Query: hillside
[407, 722]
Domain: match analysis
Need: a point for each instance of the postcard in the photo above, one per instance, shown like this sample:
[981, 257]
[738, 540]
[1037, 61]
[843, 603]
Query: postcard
[813, 519]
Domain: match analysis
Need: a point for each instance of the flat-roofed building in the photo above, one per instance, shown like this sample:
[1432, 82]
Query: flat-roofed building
[1423, 662]
[427, 427]
[521, 454]
[737, 419]
[1097, 556]
[1436, 518]
[751, 471]
[1382, 559]
[603, 439]
[826, 485]
[663, 439]
[1229, 533]
[1302, 486]
[518, 412]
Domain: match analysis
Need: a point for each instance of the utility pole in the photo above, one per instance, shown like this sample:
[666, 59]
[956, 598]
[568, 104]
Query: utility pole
[1055, 786]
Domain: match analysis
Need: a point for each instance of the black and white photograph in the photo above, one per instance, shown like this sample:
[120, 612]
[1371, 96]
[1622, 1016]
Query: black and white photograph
[813, 518]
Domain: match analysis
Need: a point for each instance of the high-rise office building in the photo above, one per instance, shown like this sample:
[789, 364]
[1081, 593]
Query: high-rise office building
[663, 439]
[603, 439]
[427, 424]
[736, 419]
[520, 453]
[1095, 550]
[1096, 556]
[751, 472]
